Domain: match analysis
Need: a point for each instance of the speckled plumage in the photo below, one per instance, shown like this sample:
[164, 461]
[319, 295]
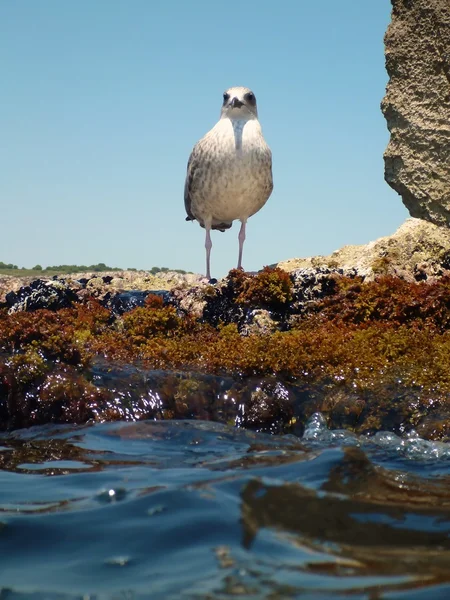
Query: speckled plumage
[229, 174]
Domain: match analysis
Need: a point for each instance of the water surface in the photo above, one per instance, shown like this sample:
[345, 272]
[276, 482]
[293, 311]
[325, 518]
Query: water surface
[199, 510]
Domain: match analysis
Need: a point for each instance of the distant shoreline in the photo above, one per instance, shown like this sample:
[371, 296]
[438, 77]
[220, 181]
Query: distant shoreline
[63, 270]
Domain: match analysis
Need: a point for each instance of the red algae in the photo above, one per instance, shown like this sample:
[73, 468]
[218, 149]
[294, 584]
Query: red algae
[271, 288]
[390, 299]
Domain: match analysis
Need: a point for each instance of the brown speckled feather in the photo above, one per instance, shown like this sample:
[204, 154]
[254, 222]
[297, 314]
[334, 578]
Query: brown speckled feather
[197, 161]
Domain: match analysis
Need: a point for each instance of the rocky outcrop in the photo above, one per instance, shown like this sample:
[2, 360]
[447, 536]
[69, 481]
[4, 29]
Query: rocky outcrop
[416, 251]
[417, 107]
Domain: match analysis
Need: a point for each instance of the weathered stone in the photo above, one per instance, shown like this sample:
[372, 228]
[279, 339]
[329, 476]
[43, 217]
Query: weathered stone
[416, 251]
[417, 107]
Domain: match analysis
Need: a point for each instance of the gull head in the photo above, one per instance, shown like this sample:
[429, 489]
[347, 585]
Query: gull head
[239, 103]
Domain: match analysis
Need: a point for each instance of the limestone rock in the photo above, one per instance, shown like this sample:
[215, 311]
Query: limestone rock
[416, 251]
[417, 107]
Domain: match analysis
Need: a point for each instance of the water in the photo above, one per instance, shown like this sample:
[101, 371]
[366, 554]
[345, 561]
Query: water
[199, 510]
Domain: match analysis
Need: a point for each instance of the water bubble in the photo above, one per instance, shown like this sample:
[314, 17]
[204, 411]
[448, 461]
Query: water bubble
[408, 445]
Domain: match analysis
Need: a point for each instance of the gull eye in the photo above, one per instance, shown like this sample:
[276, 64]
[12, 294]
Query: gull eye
[250, 97]
[226, 97]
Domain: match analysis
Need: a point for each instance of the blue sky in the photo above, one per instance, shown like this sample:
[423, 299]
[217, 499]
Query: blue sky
[102, 102]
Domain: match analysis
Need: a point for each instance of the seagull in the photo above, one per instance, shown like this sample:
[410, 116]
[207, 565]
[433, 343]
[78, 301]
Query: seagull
[229, 173]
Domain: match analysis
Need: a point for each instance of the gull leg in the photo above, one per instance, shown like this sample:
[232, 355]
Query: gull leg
[208, 246]
[241, 238]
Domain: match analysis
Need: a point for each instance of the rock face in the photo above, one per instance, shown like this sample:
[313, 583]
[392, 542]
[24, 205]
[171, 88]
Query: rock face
[417, 107]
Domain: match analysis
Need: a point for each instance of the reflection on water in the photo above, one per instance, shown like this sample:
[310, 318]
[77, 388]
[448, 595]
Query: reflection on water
[202, 511]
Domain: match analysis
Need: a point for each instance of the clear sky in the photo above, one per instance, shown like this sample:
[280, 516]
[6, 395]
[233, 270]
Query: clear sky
[102, 102]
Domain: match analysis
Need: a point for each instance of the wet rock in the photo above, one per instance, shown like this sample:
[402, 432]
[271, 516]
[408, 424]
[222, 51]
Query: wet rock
[387, 406]
[266, 406]
[60, 395]
[138, 393]
[435, 426]
[344, 408]
[125, 301]
[311, 285]
[35, 391]
[259, 321]
[417, 107]
[221, 306]
[51, 295]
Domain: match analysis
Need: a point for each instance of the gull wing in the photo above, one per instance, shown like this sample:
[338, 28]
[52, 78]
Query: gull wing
[194, 164]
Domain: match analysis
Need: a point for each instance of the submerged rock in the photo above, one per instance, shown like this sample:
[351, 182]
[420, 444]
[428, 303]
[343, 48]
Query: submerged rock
[417, 107]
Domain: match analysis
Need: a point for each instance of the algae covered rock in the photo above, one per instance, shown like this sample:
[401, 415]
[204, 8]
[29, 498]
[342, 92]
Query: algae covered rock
[262, 351]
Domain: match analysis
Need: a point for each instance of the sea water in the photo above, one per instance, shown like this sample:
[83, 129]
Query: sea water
[199, 510]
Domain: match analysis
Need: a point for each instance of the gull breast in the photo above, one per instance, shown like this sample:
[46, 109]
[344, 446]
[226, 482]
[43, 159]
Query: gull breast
[233, 179]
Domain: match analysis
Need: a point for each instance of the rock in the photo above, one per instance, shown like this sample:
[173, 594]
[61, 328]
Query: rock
[125, 301]
[311, 285]
[51, 295]
[416, 251]
[100, 284]
[267, 406]
[97, 285]
[259, 321]
[417, 107]
[370, 356]
[191, 300]
[221, 306]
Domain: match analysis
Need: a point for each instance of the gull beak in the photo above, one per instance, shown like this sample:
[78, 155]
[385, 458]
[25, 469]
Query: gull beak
[236, 103]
